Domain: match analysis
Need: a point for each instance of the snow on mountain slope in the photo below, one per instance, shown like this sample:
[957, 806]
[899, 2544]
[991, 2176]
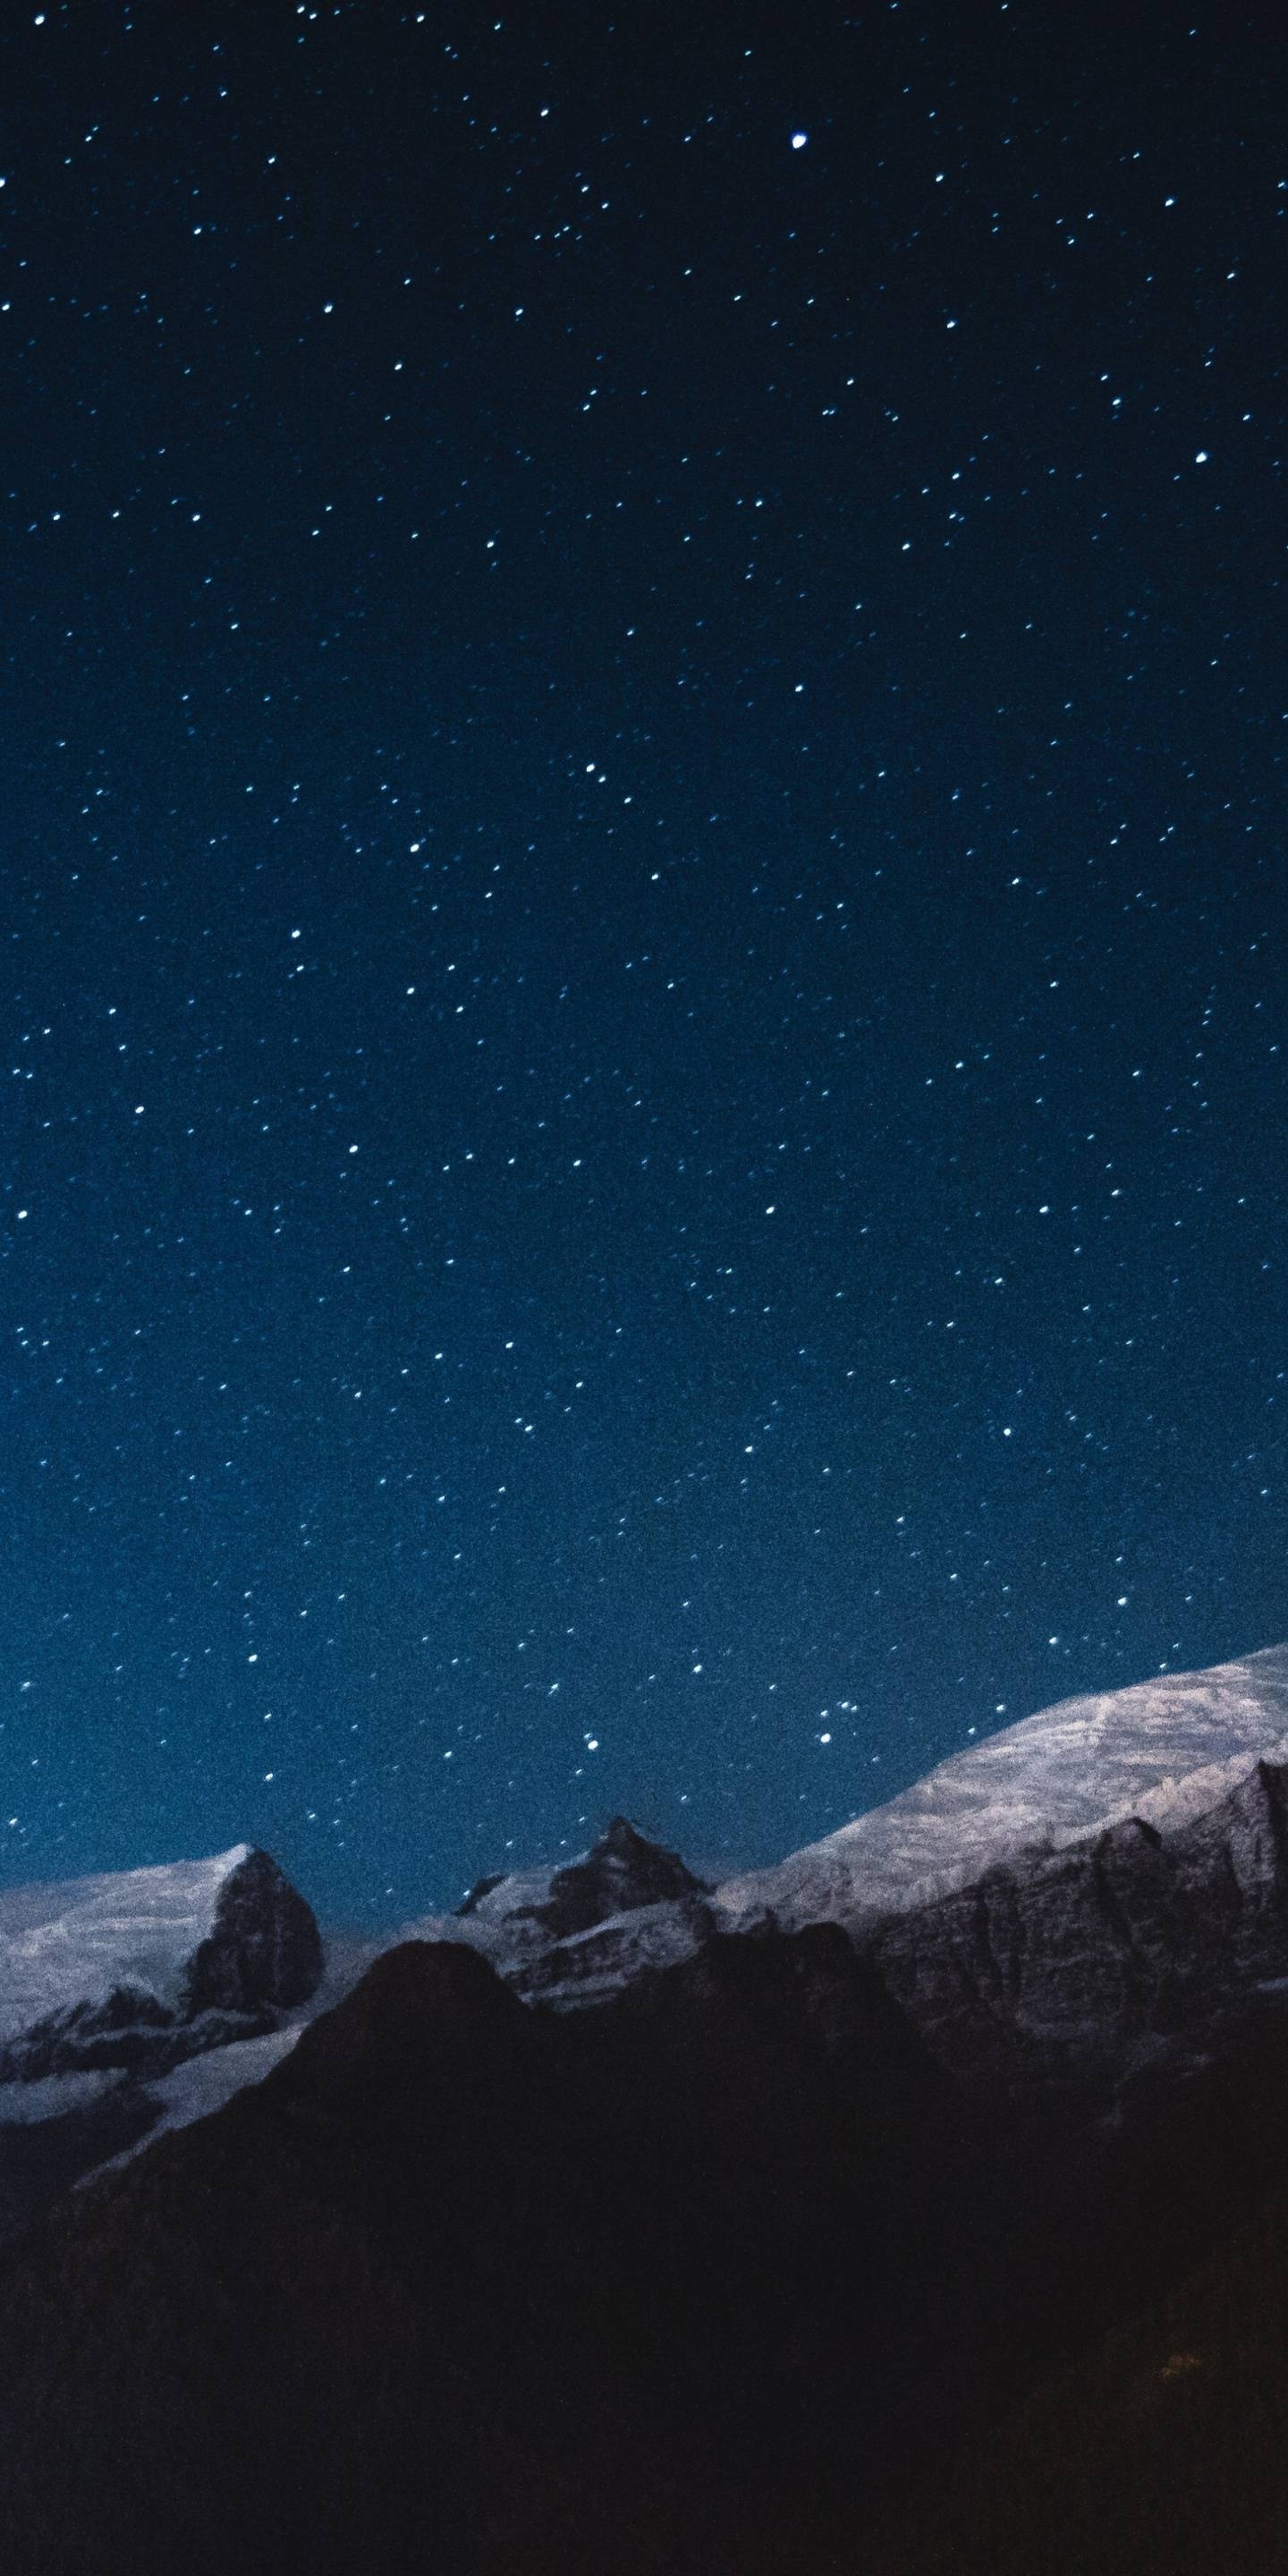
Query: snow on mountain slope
[620, 1872]
[73, 1940]
[114, 1981]
[576, 1932]
[92, 1968]
[198, 2087]
[1165, 1750]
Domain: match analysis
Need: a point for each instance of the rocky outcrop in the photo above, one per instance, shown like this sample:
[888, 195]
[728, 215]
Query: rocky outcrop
[591, 1967]
[1131, 1943]
[263, 1947]
[137, 1971]
[620, 1872]
[579, 1934]
[1165, 1750]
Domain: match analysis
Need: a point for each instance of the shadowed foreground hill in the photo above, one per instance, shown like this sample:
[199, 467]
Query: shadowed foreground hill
[728, 2250]
[467, 2286]
[1165, 2454]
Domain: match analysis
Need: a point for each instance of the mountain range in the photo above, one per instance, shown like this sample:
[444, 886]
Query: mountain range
[623, 2215]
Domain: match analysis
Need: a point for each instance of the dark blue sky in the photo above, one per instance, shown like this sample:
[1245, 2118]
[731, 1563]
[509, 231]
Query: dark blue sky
[642, 908]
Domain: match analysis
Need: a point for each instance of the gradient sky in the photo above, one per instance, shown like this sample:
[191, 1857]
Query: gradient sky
[642, 909]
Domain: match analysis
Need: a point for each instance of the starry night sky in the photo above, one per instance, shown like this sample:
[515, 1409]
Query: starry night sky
[642, 911]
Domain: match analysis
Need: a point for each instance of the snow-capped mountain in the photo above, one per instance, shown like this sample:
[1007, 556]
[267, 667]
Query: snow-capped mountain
[1126, 1949]
[137, 2001]
[1015, 1894]
[461, 2234]
[574, 1934]
[621, 1871]
[140, 1968]
[1163, 1750]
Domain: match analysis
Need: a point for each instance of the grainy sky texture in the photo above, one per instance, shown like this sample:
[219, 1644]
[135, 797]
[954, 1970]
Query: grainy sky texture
[642, 910]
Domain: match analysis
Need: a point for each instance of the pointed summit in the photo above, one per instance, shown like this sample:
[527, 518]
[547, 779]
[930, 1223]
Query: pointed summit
[141, 1968]
[622, 1871]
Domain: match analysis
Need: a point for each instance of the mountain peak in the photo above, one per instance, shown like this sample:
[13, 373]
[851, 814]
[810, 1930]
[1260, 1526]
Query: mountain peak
[621, 1872]
[620, 1834]
[148, 1964]
[1164, 1750]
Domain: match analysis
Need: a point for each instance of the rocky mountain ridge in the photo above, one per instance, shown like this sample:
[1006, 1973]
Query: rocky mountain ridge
[1075, 1897]
[1164, 1750]
[610, 2221]
[1121, 1946]
[621, 1872]
[1006, 1823]
[113, 1988]
[142, 1968]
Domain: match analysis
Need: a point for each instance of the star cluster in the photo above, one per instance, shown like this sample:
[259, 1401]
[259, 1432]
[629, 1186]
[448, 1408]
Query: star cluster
[642, 912]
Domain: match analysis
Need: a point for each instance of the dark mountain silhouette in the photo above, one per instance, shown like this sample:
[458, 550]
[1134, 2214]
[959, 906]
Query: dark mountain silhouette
[592, 2231]
[1162, 2453]
[468, 2285]
[138, 1970]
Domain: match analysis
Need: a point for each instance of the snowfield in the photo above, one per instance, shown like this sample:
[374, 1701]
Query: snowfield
[75, 1941]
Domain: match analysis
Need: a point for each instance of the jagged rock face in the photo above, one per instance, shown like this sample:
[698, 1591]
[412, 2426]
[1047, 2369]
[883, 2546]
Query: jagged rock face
[1164, 1750]
[1131, 1939]
[620, 1872]
[590, 1967]
[578, 1935]
[263, 1946]
[1020, 1944]
[139, 1970]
